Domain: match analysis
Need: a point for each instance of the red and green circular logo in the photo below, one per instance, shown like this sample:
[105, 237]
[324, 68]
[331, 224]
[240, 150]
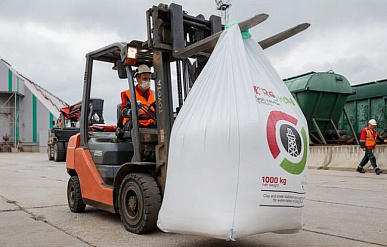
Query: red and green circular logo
[291, 141]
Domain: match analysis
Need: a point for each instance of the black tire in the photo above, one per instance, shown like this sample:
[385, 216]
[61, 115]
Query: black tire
[74, 195]
[59, 152]
[65, 148]
[49, 153]
[139, 202]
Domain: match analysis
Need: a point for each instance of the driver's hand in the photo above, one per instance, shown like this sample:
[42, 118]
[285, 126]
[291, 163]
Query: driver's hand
[139, 106]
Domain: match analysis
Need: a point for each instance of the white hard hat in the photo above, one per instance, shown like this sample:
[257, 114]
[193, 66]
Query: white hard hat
[372, 121]
[142, 69]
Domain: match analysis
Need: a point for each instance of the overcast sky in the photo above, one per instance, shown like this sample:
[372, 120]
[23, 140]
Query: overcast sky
[47, 40]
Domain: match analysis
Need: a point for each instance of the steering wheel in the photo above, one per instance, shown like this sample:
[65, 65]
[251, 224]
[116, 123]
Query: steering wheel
[153, 105]
[149, 111]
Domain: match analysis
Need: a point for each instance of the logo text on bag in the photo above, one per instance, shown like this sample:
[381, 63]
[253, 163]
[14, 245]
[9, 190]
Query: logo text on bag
[267, 97]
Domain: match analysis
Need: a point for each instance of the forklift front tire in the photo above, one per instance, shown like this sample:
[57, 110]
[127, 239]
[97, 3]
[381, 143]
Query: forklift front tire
[74, 195]
[139, 202]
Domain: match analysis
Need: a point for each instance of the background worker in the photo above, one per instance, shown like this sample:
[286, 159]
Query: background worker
[59, 122]
[144, 97]
[367, 143]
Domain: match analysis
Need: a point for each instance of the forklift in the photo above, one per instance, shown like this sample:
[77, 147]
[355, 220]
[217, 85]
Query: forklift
[127, 175]
[65, 127]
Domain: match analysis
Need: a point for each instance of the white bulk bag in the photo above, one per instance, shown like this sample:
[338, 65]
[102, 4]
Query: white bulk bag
[238, 149]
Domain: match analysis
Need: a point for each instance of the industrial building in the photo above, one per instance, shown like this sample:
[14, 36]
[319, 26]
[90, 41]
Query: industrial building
[27, 112]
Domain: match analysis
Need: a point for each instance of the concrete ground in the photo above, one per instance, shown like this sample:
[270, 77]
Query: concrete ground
[342, 209]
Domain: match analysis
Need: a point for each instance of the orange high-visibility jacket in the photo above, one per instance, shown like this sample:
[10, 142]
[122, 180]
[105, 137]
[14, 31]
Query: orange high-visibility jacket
[143, 118]
[368, 138]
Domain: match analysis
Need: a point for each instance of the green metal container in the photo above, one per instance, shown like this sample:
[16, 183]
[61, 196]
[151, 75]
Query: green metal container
[369, 101]
[321, 97]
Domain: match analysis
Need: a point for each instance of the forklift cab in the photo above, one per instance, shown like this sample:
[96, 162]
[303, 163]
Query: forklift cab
[128, 175]
[108, 152]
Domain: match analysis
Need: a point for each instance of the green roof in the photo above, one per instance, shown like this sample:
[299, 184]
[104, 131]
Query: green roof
[319, 81]
[369, 90]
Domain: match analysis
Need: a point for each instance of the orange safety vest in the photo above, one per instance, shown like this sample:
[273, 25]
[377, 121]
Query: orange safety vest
[370, 138]
[143, 118]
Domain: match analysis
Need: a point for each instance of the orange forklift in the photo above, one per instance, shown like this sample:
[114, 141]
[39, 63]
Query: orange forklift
[127, 175]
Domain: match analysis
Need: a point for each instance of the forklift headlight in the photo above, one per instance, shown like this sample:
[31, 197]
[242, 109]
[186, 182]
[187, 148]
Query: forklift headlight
[132, 52]
[131, 56]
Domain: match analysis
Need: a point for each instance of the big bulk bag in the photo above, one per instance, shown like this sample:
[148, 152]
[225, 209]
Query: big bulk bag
[238, 150]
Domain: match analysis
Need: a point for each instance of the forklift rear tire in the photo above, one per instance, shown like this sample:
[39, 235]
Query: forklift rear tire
[139, 202]
[74, 195]
[59, 152]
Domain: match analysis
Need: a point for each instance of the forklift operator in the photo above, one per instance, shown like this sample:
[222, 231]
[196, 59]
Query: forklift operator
[145, 101]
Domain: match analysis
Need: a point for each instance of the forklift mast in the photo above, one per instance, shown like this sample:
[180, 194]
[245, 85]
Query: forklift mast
[171, 30]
